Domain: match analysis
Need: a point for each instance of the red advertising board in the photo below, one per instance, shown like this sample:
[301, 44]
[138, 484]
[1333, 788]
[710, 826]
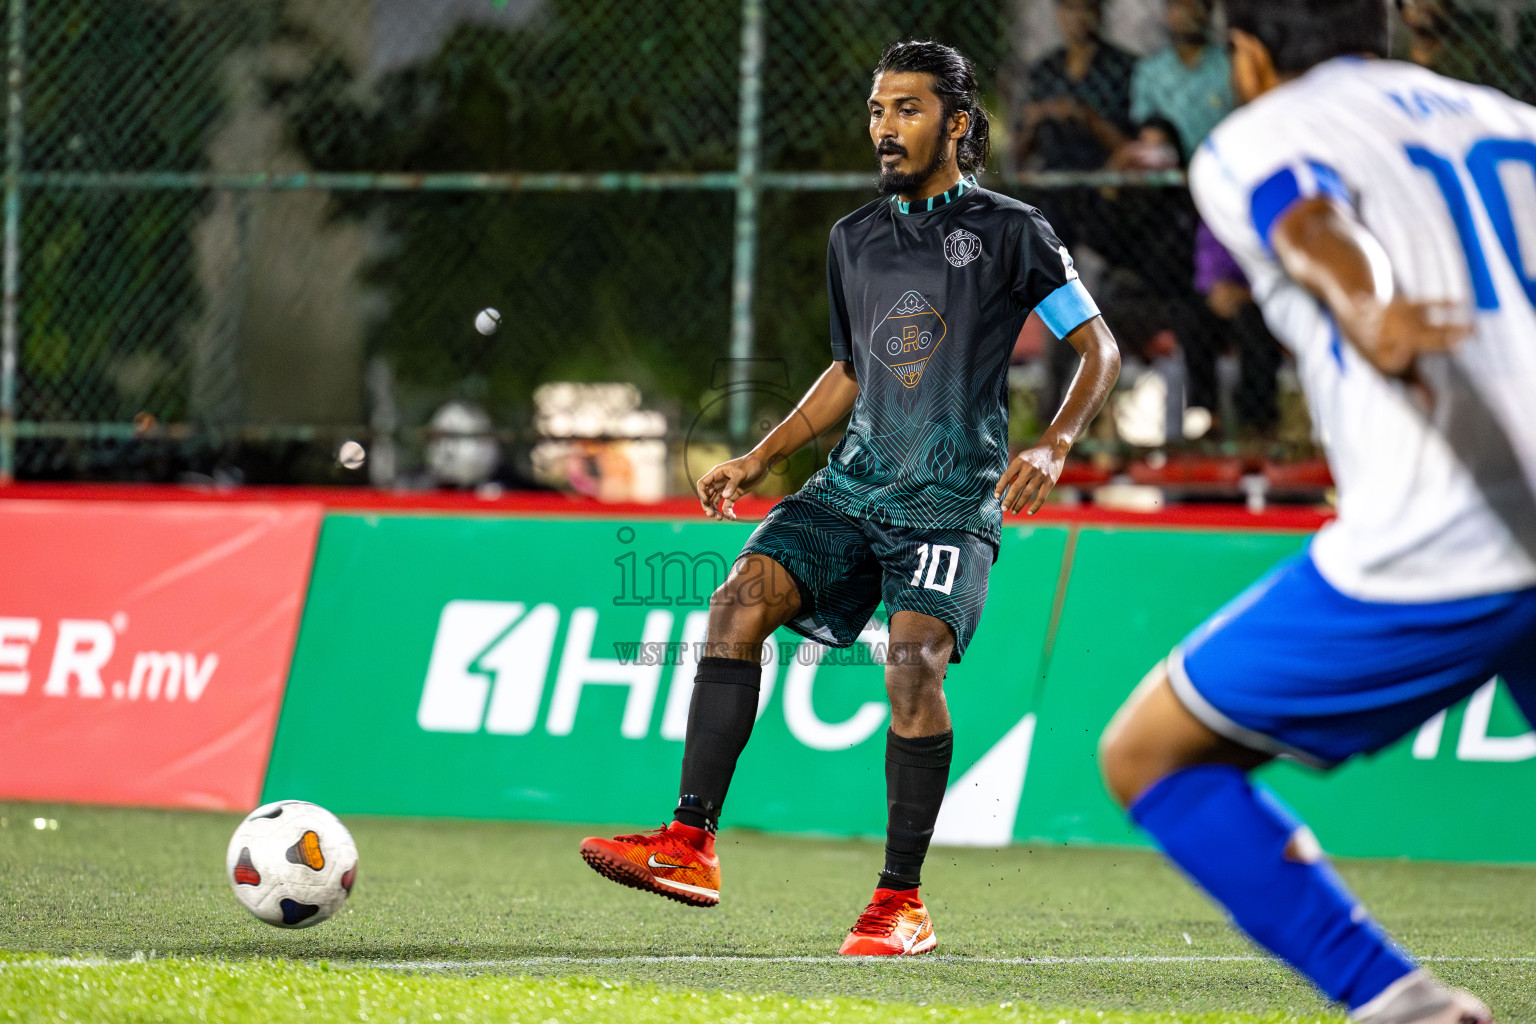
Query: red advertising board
[144, 648]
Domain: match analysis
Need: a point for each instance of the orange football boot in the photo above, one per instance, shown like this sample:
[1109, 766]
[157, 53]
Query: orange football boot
[894, 924]
[676, 861]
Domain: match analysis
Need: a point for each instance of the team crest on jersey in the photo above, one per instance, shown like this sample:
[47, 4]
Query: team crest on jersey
[908, 336]
[960, 247]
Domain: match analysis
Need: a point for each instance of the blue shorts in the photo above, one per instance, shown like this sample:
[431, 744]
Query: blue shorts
[1292, 667]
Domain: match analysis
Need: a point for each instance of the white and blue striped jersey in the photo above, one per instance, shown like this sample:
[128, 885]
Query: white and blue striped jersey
[1435, 499]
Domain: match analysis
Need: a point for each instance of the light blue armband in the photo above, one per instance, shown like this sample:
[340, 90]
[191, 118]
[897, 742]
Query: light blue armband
[1067, 308]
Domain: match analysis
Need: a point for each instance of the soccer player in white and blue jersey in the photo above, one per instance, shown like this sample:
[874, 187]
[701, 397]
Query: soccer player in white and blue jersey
[1387, 219]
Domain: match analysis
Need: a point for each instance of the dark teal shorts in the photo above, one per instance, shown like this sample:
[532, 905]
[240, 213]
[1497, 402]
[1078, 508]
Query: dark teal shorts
[845, 567]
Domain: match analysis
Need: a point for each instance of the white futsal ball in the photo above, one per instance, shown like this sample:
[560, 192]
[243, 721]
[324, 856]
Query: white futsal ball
[351, 455]
[291, 863]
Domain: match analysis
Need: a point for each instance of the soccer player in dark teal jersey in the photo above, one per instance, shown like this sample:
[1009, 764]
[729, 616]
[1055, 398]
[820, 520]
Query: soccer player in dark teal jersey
[929, 287]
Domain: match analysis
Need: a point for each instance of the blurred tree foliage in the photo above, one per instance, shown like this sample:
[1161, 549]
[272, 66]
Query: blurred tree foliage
[109, 276]
[620, 285]
[817, 63]
[592, 286]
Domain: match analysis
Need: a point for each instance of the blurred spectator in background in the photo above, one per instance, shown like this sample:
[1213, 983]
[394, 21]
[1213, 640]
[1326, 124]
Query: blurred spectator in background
[1459, 43]
[1427, 26]
[1227, 321]
[1147, 408]
[1189, 82]
[1254, 403]
[1156, 146]
[1161, 254]
[1073, 113]
[1076, 118]
[1077, 109]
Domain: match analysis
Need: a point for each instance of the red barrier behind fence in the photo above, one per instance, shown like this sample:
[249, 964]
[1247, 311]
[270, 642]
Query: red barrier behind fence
[1213, 515]
[144, 648]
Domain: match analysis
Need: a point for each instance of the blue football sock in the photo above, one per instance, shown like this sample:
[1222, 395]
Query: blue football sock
[1231, 839]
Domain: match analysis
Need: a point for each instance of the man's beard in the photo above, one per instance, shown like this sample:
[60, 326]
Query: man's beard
[893, 182]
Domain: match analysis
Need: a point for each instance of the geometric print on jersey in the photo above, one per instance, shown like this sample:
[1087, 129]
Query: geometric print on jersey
[943, 475]
[944, 444]
[897, 306]
[908, 336]
[846, 567]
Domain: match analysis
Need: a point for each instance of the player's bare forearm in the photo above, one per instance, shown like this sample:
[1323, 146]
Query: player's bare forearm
[1332, 255]
[829, 400]
[1090, 388]
[1325, 249]
[1033, 472]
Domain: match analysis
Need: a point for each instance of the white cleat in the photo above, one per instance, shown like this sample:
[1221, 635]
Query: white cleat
[1419, 998]
[1465, 1008]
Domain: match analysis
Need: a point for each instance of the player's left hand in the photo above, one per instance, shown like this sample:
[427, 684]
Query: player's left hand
[1030, 477]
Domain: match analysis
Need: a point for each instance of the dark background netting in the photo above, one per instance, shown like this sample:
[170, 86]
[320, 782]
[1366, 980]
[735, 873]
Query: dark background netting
[247, 229]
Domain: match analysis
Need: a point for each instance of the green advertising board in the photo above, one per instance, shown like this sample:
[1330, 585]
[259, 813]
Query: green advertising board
[1131, 595]
[1457, 789]
[540, 670]
[488, 668]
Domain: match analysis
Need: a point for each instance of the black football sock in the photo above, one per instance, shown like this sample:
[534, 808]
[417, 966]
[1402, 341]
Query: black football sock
[720, 720]
[916, 772]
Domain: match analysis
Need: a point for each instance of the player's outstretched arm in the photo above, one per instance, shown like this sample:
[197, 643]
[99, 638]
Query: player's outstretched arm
[829, 400]
[1034, 471]
[1325, 249]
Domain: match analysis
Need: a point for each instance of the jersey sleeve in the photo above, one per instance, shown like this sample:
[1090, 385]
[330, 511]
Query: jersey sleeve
[1046, 281]
[1250, 171]
[839, 328]
[1253, 168]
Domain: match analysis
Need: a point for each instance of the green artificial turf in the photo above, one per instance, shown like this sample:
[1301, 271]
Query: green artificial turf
[263, 990]
[486, 920]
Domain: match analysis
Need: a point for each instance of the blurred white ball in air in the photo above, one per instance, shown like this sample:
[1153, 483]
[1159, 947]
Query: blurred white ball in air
[487, 320]
[351, 455]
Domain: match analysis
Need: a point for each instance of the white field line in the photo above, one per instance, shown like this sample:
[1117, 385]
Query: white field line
[866, 961]
[65, 962]
[619, 961]
[851, 961]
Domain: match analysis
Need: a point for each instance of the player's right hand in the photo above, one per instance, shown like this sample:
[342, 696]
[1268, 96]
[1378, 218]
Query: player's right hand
[1395, 334]
[720, 487]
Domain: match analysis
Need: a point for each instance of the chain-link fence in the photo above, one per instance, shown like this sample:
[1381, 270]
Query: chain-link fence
[237, 232]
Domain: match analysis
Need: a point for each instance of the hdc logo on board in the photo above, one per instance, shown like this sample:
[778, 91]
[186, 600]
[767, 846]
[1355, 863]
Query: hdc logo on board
[492, 660]
[491, 663]
[80, 662]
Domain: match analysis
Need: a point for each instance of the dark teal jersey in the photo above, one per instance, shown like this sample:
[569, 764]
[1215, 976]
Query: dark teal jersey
[927, 301]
